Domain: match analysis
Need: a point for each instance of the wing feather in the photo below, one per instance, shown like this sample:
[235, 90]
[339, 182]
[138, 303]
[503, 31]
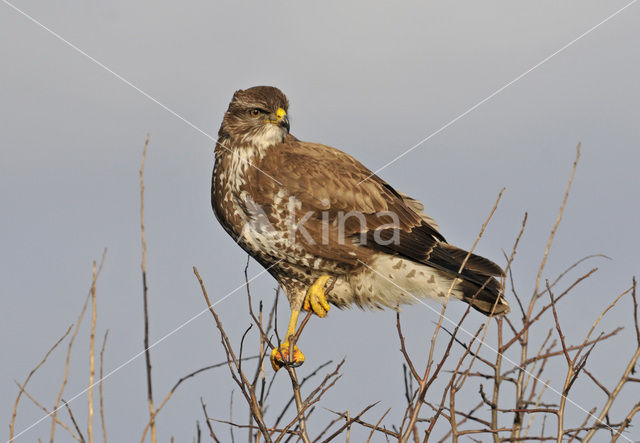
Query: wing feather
[329, 182]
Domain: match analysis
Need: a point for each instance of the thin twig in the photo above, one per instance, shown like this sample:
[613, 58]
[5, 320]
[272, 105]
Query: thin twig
[232, 362]
[73, 420]
[24, 384]
[327, 383]
[292, 399]
[558, 220]
[623, 378]
[46, 411]
[102, 422]
[375, 427]
[145, 300]
[92, 355]
[67, 362]
[426, 381]
[626, 422]
[295, 386]
[175, 387]
[348, 423]
[524, 334]
[208, 421]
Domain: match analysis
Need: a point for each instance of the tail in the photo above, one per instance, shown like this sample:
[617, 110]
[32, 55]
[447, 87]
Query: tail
[489, 302]
[479, 286]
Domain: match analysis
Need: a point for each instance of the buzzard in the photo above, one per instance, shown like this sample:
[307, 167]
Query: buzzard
[326, 228]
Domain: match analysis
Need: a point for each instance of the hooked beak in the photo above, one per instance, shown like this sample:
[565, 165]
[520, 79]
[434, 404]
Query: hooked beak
[284, 122]
[282, 119]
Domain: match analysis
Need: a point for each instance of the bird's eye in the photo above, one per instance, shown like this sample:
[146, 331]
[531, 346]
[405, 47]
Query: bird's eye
[256, 112]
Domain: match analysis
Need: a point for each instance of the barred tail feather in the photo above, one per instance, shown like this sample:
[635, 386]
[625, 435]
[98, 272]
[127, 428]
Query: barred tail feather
[479, 286]
[490, 302]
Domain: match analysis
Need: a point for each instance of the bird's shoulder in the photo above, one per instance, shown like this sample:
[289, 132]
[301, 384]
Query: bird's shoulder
[309, 154]
[319, 173]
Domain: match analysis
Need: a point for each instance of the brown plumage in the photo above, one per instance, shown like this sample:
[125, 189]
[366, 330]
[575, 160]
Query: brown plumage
[304, 210]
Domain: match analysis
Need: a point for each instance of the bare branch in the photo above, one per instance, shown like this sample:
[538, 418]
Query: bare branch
[232, 362]
[175, 387]
[555, 226]
[626, 422]
[145, 300]
[403, 349]
[208, 422]
[73, 420]
[70, 347]
[348, 423]
[102, 422]
[26, 382]
[92, 355]
[46, 411]
[376, 428]
[621, 382]
[304, 380]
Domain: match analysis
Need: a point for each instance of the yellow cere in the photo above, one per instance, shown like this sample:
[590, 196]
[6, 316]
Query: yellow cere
[280, 113]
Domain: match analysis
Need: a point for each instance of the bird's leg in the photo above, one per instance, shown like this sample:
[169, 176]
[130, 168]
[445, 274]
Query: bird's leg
[280, 355]
[316, 300]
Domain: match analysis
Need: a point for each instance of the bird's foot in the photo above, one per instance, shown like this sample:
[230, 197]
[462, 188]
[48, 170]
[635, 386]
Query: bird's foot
[280, 356]
[316, 300]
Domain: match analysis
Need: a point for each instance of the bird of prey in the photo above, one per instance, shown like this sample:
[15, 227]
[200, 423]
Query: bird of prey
[329, 230]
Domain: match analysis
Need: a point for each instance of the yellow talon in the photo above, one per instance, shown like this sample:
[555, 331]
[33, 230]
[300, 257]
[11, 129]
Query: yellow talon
[280, 356]
[316, 300]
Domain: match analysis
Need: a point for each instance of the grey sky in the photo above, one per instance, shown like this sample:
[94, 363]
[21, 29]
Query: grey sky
[366, 77]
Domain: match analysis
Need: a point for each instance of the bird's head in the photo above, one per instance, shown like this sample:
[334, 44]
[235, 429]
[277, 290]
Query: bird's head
[257, 116]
